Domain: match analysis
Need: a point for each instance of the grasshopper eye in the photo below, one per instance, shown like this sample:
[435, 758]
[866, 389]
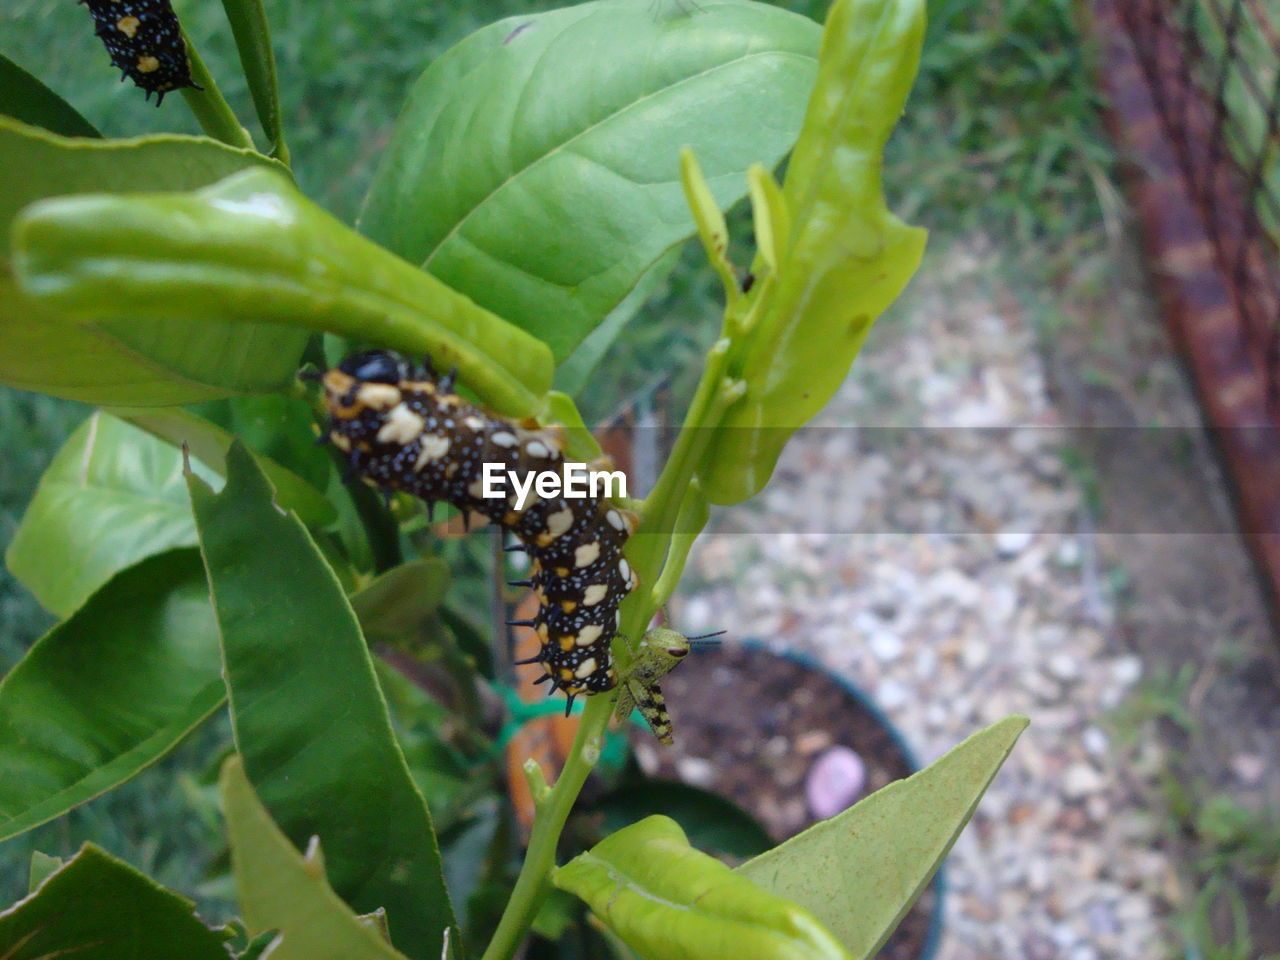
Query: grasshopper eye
[677, 652]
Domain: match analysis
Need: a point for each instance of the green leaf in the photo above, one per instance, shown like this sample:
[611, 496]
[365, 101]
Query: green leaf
[253, 249]
[309, 718]
[283, 891]
[535, 166]
[25, 98]
[843, 258]
[108, 692]
[711, 822]
[249, 26]
[279, 426]
[42, 866]
[210, 443]
[666, 899]
[112, 496]
[395, 604]
[122, 358]
[99, 908]
[573, 376]
[860, 871]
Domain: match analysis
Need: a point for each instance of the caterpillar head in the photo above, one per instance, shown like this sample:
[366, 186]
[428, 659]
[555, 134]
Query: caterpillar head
[376, 366]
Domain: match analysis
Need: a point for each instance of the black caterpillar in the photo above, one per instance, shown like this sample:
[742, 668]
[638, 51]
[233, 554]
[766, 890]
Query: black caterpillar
[145, 42]
[404, 428]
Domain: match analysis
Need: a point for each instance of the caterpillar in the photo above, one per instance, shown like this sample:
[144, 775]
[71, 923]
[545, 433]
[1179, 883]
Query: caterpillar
[403, 427]
[659, 652]
[145, 43]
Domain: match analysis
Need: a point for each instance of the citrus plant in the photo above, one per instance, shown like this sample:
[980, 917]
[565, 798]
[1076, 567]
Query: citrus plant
[204, 557]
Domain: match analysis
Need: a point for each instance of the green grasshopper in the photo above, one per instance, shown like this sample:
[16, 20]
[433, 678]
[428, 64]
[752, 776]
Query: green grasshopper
[658, 653]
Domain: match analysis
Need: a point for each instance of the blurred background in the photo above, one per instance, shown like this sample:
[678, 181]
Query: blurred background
[1051, 484]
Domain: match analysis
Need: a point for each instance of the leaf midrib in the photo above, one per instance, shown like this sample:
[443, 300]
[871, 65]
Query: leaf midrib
[558, 148]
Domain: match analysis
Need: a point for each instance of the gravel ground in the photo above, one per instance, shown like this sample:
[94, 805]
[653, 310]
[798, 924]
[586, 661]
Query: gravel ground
[1011, 609]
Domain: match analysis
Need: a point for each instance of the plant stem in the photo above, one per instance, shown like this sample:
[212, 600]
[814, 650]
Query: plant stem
[652, 543]
[663, 503]
[675, 494]
[211, 109]
[692, 518]
[534, 882]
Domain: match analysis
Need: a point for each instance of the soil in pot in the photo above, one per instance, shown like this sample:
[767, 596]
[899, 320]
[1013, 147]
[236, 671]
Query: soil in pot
[750, 724]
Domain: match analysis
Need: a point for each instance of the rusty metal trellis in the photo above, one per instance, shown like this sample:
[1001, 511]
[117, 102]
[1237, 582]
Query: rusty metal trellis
[1213, 69]
[1193, 90]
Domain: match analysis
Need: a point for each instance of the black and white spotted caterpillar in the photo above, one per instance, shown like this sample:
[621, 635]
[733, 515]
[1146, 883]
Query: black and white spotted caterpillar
[404, 428]
[145, 42]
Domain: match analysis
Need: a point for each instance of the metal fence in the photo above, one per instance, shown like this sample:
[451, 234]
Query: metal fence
[1213, 69]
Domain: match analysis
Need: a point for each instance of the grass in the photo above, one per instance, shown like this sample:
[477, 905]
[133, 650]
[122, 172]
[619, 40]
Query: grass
[1230, 852]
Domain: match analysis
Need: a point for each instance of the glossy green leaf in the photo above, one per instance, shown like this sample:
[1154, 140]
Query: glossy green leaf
[860, 871]
[254, 249]
[122, 358]
[535, 165]
[394, 605]
[99, 908]
[445, 777]
[281, 890]
[280, 426]
[112, 496]
[23, 97]
[844, 257]
[109, 691]
[210, 443]
[249, 26]
[668, 900]
[308, 715]
[42, 866]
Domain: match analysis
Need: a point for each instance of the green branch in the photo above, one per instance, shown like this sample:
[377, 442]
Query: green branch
[211, 109]
[534, 881]
[693, 516]
[671, 518]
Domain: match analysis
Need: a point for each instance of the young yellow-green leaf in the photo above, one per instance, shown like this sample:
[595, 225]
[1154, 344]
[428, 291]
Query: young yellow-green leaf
[281, 890]
[108, 692]
[309, 718]
[176, 358]
[253, 40]
[395, 604]
[712, 230]
[112, 496]
[23, 97]
[42, 865]
[711, 821]
[860, 871]
[846, 257]
[534, 166]
[210, 443]
[96, 907]
[561, 409]
[254, 249]
[665, 899]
